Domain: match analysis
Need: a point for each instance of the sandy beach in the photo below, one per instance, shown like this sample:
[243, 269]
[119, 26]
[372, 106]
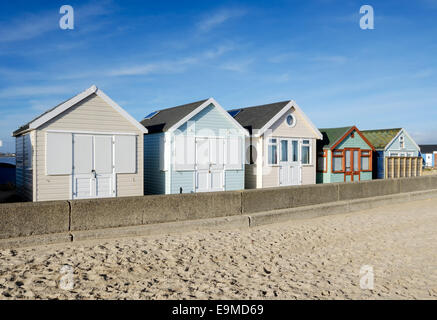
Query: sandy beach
[308, 259]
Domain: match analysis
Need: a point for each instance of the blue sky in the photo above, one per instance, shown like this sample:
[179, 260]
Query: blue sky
[148, 55]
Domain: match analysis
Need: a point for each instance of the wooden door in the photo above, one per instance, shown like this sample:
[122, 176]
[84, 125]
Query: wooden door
[352, 165]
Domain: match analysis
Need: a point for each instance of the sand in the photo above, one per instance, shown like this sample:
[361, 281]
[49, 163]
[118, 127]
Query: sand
[307, 259]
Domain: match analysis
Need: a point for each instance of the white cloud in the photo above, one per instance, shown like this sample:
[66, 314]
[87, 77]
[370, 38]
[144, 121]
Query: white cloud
[32, 91]
[423, 74]
[283, 57]
[170, 66]
[330, 59]
[237, 66]
[216, 19]
[33, 25]
[28, 26]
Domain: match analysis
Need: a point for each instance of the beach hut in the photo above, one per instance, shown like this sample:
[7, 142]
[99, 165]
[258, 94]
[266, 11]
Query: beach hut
[396, 153]
[196, 147]
[281, 149]
[344, 155]
[429, 155]
[86, 147]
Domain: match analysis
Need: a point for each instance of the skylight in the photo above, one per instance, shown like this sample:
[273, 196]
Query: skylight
[151, 115]
[234, 113]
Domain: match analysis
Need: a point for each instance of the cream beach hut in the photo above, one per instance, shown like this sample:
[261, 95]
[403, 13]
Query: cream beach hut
[281, 149]
[86, 147]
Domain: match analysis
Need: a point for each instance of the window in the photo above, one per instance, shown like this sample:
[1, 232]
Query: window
[291, 120]
[402, 142]
[347, 160]
[284, 150]
[306, 152]
[366, 160]
[234, 113]
[295, 145]
[59, 153]
[356, 160]
[151, 115]
[337, 161]
[273, 151]
[322, 160]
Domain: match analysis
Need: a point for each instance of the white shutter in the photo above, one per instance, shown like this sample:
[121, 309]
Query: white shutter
[184, 157]
[103, 154]
[125, 154]
[83, 154]
[59, 157]
[234, 153]
[217, 153]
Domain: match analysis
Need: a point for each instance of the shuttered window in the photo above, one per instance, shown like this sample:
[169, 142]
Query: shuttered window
[125, 154]
[185, 151]
[234, 150]
[59, 158]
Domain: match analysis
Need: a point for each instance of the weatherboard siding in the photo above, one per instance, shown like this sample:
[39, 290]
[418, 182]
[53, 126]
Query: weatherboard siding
[250, 176]
[409, 146]
[234, 180]
[348, 142]
[24, 146]
[356, 142]
[184, 180]
[208, 122]
[302, 129]
[154, 177]
[92, 114]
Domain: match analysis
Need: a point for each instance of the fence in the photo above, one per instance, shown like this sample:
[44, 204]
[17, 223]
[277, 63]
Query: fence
[403, 167]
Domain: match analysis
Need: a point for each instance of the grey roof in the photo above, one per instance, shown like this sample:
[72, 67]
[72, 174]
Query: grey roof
[26, 126]
[257, 117]
[428, 148]
[167, 118]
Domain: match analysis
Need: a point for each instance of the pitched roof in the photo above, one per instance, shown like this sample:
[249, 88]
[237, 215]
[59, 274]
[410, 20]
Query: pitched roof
[331, 136]
[27, 125]
[256, 117]
[62, 107]
[382, 137]
[166, 118]
[428, 148]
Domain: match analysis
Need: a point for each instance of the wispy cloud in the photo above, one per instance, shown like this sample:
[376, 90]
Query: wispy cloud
[28, 26]
[163, 67]
[32, 25]
[330, 59]
[237, 66]
[216, 19]
[423, 74]
[32, 91]
[282, 57]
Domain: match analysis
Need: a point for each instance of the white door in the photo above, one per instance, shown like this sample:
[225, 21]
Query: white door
[83, 178]
[209, 164]
[104, 166]
[289, 163]
[429, 160]
[217, 152]
[93, 163]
